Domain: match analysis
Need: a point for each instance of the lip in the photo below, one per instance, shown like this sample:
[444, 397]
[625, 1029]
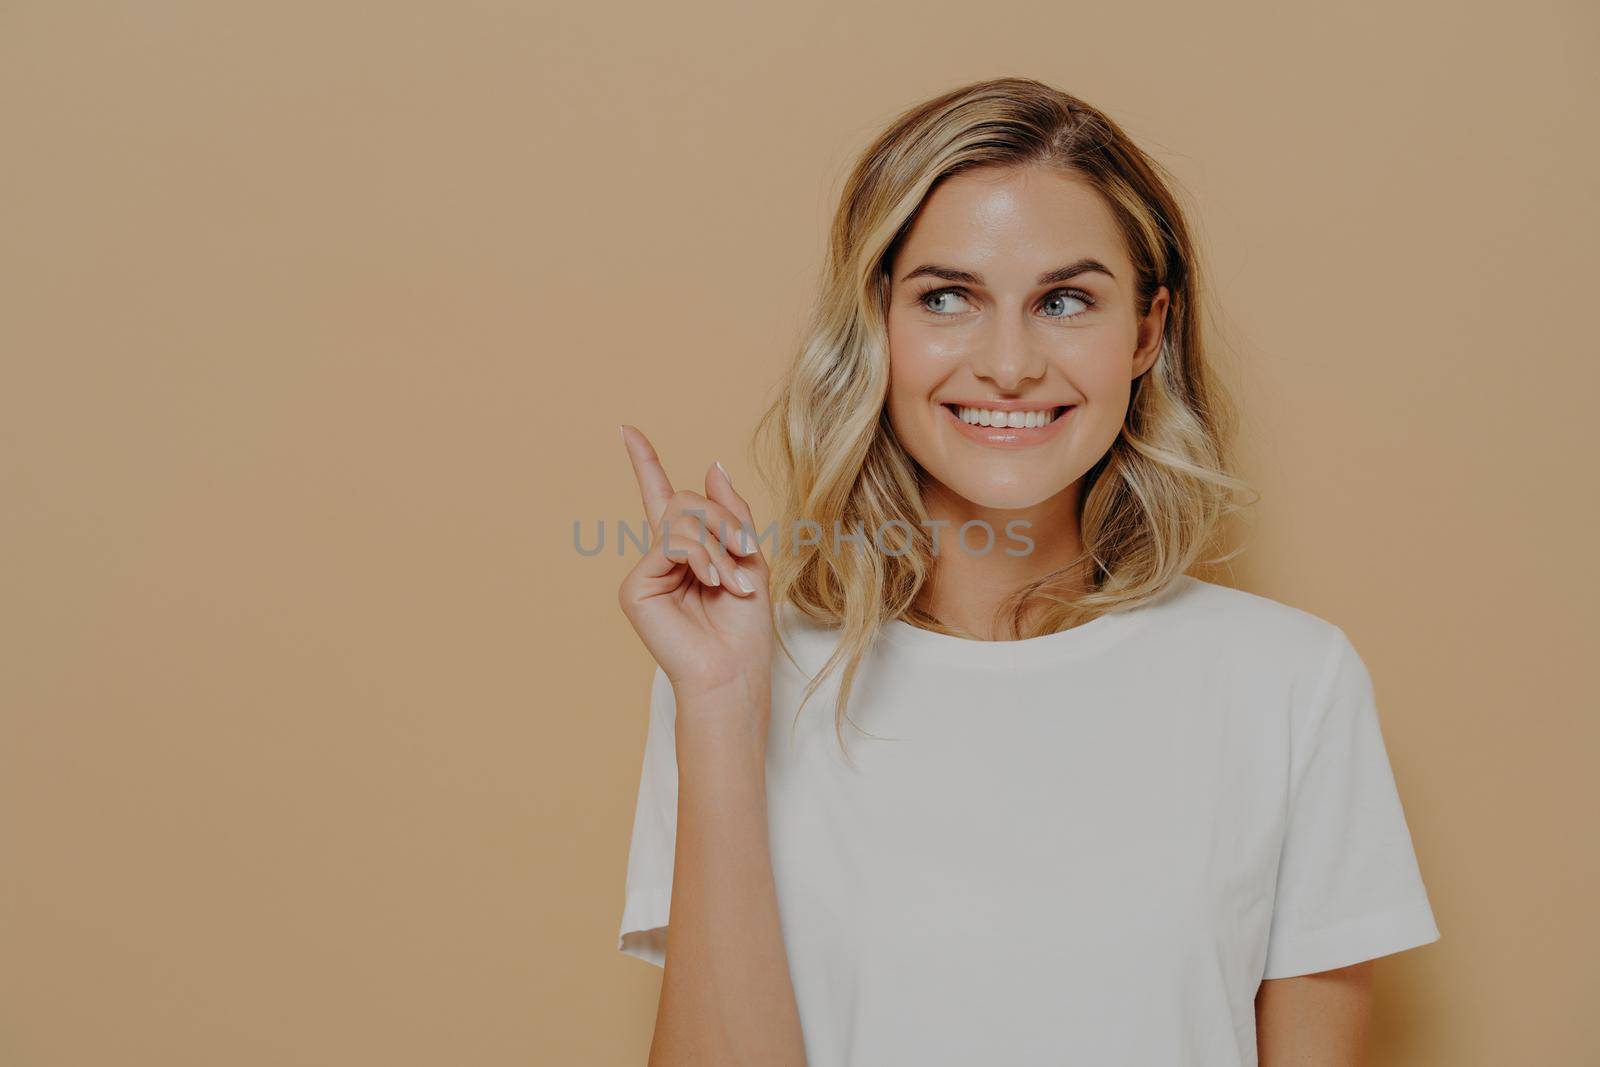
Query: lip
[1005, 405]
[1007, 436]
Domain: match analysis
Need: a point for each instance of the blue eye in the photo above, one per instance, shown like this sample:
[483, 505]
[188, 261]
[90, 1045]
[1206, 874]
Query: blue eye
[1067, 294]
[934, 294]
[923, 299]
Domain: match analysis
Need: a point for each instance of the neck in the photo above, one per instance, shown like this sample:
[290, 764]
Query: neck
[966, 588]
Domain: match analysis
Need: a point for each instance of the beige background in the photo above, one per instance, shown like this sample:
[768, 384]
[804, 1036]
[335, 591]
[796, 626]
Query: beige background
[320, 741]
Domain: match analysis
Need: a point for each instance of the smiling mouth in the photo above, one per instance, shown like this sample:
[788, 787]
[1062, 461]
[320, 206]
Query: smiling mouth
[1016, 420]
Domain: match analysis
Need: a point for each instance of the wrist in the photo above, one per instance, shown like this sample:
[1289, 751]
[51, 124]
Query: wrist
[747, 687]
[736, 712]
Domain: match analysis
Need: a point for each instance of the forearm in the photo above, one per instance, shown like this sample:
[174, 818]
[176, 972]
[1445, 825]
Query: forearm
[726, 994]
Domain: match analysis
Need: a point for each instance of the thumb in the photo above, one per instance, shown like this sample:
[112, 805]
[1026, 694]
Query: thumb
[719, 489]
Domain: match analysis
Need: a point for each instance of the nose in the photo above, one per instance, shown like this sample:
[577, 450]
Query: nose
[1007, 357]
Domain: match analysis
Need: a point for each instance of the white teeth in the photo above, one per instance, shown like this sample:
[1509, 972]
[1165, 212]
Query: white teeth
[1017, 419]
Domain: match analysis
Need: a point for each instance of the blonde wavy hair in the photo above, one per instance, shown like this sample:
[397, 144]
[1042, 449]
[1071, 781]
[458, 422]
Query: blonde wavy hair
[1151, 507]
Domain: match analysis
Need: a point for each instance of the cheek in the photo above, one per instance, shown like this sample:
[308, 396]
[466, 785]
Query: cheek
[916, 367]
[1103, 370]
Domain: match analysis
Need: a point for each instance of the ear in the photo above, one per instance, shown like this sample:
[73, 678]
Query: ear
[1152, 328]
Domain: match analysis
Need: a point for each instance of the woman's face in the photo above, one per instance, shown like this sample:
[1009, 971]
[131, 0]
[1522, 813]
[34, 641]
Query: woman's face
[1012, 295]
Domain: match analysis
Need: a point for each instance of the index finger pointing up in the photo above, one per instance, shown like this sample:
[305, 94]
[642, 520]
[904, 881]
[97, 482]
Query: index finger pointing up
[655, 489]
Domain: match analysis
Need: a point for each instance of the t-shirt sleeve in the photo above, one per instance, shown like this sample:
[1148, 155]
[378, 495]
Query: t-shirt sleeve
[648, 892]
[1349, 888]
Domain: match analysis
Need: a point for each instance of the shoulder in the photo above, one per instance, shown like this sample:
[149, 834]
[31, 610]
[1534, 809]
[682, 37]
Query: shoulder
[806, 635]
[1288, 663]
[1239, 612]
[1253, 630]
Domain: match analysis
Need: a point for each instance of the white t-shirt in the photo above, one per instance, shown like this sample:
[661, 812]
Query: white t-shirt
[1088, 847]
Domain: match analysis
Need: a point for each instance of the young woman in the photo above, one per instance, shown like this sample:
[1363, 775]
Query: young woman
[1100, 811]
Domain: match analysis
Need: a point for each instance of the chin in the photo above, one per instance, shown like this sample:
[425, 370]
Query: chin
[1003, 497]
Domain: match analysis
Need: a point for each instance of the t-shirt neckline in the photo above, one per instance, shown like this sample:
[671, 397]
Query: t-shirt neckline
[1083, 639]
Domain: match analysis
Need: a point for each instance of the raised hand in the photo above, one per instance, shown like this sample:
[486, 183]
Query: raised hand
[698, 598]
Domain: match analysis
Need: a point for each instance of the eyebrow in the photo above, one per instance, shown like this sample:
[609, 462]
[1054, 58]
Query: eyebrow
[1060, 274]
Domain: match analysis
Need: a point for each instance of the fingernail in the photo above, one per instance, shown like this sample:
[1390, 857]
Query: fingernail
[622, 433]
[716, 579]
[747, 544]
[744, 583]
[724, 471]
